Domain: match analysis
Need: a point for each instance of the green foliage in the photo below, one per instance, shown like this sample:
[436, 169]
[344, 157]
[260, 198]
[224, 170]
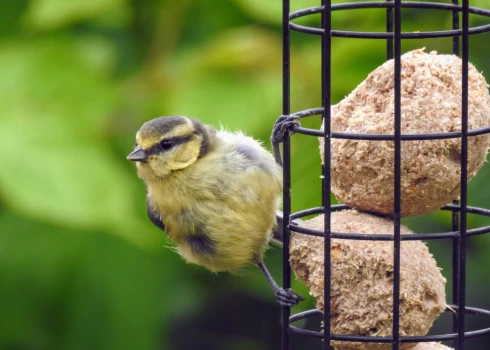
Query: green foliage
[81, 267]
[51, 14]
[270, 11]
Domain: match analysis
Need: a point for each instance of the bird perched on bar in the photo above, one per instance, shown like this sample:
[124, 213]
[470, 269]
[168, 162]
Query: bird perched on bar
[215, 193]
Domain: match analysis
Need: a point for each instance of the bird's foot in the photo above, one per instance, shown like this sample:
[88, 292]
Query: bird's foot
[286, 297]
[282, 125]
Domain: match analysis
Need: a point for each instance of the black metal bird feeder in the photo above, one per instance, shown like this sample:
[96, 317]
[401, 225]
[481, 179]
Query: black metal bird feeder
[459, 234]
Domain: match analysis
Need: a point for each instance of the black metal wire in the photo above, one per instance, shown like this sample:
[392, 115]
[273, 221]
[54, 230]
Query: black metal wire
[380, 137]
[397, 177]
[459, 209]
[410, 339]
[286, 272]
[407, 237]
[455, 263]
[464, 176]
[389, 29]
[324, 78]
[326, 83]
[388, 5]
[455, 215]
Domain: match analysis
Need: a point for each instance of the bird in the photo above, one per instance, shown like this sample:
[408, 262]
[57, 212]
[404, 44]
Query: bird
[215, 194]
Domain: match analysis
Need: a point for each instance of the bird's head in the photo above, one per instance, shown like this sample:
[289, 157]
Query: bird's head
[169, 144]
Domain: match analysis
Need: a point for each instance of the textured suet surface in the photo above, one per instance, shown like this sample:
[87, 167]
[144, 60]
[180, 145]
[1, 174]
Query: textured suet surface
[362, 171]
[362, 279]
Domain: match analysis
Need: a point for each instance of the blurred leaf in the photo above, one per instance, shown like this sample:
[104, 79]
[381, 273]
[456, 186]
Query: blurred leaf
[49, 14]
[36, 261]
[59, 166]
[11, 11]
[484, 4]
[243, 92]
[248, 106]
[77, 291]
[240, 49]
[114, 298]
[96, 53]
[271, 11]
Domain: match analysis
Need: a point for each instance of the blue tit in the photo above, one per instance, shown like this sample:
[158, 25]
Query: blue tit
[214, 193]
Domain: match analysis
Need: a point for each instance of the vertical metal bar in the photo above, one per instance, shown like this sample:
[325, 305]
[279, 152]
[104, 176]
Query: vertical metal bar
[326, 58]
[397, 180]
[455, 26]
[323, 94]
[456, 270]
[455, 215]
[285, 58]
[464, 177]
[389, 29]
[286, 270]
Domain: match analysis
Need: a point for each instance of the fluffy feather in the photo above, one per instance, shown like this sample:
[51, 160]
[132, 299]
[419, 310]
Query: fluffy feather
[218, 208]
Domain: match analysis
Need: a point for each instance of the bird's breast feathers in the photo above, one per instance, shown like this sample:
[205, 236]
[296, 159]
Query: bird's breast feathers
[222, 204]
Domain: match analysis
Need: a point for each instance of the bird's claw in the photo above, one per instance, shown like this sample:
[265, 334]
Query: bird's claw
[282, 125]
[286, 297]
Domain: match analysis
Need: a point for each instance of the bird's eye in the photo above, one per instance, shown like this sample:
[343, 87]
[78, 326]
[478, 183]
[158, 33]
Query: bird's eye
[166, 144]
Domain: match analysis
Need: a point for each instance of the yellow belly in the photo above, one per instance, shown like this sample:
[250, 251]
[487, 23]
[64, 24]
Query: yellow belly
[238, 240]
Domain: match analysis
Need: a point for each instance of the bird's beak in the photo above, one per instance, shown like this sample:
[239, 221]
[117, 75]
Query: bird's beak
[138, 155]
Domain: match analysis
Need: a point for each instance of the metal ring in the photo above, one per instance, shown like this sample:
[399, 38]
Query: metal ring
[388, 237]
[388, 35]
[380, 137]
[371, 339]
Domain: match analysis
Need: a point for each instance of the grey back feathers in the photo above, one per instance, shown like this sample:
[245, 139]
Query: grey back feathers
[251, 152]
[248, 151]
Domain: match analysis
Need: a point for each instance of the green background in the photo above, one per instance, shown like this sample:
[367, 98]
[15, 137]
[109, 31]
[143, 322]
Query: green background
[81, 267]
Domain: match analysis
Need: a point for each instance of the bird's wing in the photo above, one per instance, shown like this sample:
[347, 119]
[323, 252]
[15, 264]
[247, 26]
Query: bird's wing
[153, 215]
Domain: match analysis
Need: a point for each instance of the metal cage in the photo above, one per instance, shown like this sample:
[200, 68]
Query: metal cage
[459, 234]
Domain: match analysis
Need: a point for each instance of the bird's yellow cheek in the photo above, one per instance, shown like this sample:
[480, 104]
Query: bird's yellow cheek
[140, 169]
[144, 171]
[159, 168]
